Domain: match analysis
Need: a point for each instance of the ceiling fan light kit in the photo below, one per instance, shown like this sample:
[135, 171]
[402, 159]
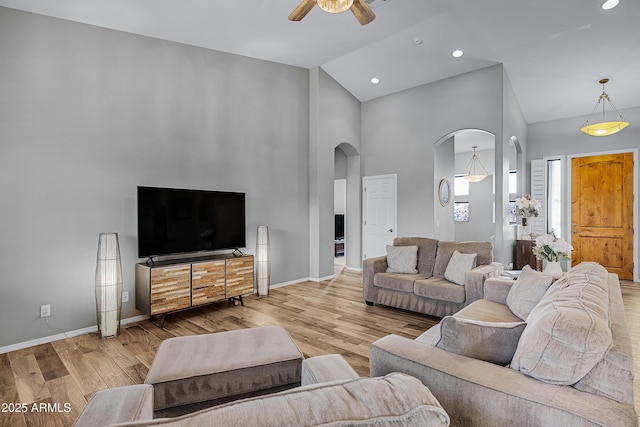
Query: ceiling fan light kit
[604, 128]
[335, 6]
[359, 8]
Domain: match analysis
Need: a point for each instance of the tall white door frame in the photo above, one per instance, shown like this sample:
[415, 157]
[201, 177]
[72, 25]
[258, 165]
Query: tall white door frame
[379, 213]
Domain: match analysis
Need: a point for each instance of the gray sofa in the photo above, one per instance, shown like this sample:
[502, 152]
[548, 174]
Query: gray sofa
[332, 393]
[428, 291]
[568, 362]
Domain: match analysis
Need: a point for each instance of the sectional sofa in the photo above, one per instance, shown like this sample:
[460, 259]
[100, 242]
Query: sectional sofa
[564, 359]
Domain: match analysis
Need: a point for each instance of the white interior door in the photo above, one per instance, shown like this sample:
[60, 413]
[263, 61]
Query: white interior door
[379, 214]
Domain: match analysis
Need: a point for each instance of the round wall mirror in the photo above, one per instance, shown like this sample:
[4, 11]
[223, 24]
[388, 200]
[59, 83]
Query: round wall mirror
[444, 192]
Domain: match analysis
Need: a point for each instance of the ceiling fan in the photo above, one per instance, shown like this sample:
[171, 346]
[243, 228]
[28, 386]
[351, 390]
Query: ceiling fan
[359, 8]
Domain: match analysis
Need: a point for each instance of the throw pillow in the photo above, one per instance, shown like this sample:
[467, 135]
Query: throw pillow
[402, 259]
[458, 266]
[527, 291]
[493, 342]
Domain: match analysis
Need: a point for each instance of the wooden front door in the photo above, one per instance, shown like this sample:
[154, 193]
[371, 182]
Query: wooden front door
[602, 212]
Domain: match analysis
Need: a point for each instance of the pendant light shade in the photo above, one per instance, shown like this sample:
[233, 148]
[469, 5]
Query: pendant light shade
[476, 172]
[604, 128]
[335, 6]
[263, 261]
[108, 285]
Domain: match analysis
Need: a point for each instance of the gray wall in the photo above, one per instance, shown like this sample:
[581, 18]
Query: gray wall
[87, 114]
[400, 130]
[334, 121]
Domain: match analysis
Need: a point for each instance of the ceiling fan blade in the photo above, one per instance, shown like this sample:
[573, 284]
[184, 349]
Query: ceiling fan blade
[362, 12]
[302, 10]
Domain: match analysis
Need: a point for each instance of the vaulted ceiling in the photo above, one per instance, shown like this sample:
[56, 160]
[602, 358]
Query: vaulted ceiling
[554, 52]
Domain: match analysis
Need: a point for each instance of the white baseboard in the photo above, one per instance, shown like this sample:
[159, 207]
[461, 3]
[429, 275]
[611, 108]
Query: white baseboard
[63, 335]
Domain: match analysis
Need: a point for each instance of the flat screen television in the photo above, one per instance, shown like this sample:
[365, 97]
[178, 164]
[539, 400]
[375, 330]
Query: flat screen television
[177, 221]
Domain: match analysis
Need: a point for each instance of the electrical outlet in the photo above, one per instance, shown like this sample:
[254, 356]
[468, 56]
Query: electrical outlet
[45, 310]
[125, 296]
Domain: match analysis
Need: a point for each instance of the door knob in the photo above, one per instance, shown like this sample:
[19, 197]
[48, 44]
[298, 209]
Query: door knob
[391, 230]
[575, 231]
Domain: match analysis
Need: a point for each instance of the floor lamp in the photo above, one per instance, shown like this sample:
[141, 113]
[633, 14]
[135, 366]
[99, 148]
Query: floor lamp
[108, 285]
[263, 261]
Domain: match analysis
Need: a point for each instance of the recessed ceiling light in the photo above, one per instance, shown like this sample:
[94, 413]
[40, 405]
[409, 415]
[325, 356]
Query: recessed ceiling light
[610, 4]
[457, 53]
[375, 80]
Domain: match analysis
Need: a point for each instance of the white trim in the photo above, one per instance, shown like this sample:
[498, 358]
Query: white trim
[636, 220]
[63, 335]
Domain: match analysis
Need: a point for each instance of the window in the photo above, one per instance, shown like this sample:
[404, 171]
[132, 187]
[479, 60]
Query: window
[460, 186]
[461, 211]
[554, 196]
[513, 182]
[513, 212]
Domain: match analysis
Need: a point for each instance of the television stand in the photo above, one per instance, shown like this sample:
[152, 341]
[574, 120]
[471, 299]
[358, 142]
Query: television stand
[169, 286]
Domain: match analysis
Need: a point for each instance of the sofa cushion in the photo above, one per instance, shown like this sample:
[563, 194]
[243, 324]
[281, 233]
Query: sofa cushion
[487, 311]
[527, 291]
[439, 289]
[402, 259]
[396, 281]
[568, 332]
[426, 252]
[393, 400]
[484, 251]
[458, 266]
[493, 342]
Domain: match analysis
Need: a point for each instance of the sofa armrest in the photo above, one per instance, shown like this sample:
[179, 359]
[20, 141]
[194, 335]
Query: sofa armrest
[326, 368]
[370, 267]
[116, 405]
[474, 392]
[496, 289]
[475, 278]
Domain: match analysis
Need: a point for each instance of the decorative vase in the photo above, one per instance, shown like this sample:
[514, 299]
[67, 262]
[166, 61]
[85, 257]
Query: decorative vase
[553, 268]
[524, 235]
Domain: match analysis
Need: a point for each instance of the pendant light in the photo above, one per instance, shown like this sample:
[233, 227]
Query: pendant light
[604, 128]
[476, 172]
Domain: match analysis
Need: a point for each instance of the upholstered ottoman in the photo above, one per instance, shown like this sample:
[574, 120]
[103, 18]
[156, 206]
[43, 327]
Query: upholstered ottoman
[206, 370]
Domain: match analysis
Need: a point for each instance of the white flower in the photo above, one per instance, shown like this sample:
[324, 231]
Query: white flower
[561, 246]
[545, 239]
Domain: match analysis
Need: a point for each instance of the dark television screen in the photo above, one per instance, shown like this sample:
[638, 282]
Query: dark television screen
[339, 226]
[173, 221]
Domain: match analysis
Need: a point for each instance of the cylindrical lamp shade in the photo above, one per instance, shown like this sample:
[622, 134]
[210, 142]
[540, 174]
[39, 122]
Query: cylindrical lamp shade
[263, 261]
[108, 285]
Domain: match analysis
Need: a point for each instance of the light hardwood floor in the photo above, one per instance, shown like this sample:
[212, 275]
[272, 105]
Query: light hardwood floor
[322, 318]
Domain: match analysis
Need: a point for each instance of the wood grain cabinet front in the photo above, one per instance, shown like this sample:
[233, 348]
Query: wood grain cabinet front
[169, 286]
[208, 282]
[239, 276]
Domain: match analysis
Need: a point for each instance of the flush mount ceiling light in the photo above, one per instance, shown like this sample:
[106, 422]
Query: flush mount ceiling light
[359, 8]
[604, 128]
[457, 53]
[610, 4]
[476, 172]
[375, 80]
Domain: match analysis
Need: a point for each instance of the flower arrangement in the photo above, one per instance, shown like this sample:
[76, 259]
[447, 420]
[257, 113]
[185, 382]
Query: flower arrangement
[552, 248]
[528, 207]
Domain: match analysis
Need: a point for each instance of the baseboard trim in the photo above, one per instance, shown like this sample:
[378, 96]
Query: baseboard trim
[63, 335]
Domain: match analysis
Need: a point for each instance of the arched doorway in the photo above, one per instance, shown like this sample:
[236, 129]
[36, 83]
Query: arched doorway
[347, 210]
